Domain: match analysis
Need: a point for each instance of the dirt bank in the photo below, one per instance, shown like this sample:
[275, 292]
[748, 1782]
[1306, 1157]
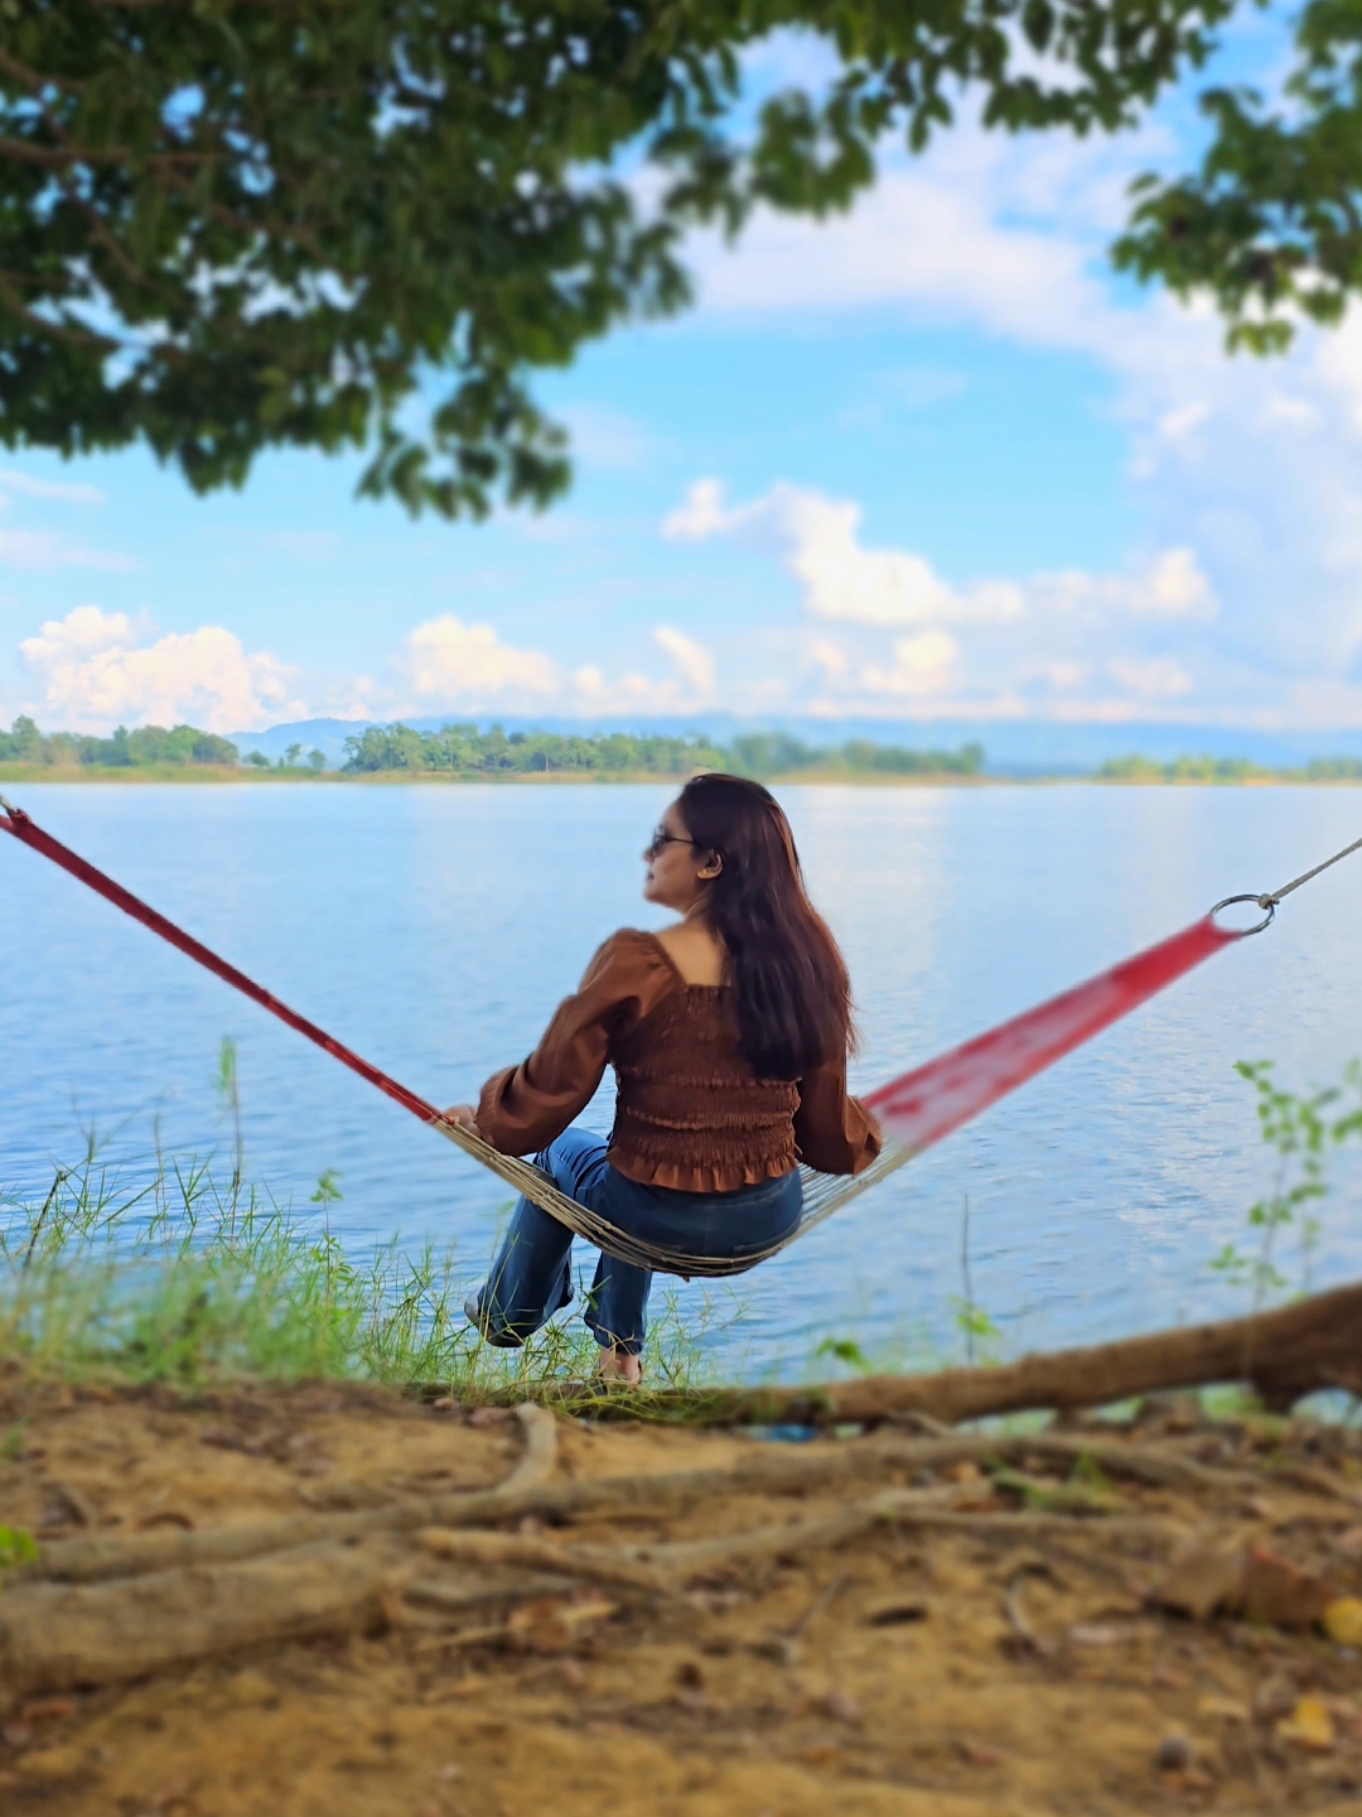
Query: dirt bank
[984, 1644]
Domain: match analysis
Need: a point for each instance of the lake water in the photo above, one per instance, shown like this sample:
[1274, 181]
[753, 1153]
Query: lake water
[434, 929]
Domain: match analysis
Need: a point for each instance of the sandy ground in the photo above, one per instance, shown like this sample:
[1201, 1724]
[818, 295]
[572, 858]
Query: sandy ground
[968, 1675]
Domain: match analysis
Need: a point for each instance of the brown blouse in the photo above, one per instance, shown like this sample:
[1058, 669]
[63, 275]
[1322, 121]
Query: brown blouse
[690, 1114]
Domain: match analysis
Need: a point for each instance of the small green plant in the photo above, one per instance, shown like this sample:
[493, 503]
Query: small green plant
[971, 1321]
[229, 1095]
[974, 1325]
[1089, 1472]
[845, 1350]
[16, 1548]
[328, 1189]
[1303, 1130]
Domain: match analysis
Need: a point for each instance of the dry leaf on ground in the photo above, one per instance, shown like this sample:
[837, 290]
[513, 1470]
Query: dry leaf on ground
[1308, 1726]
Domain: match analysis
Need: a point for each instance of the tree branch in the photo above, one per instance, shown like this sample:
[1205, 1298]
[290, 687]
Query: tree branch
[53, 157]
[76, 337]
[31, 79]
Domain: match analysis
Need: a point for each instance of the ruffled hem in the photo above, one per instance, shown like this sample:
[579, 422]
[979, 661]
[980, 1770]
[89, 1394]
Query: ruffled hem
[689, 1177]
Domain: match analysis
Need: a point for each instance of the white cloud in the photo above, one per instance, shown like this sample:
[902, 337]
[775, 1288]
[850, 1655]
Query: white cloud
[830, 658]
[1256, 465]
[68, 492]
[1158, 678]
[1002, 646]
[818, 538]
[922, 666]
[1063, 676]
[95, 673]
[447, 663]
[592, 691]
[48, 549]
[42, 549]
[703, 514]
[1005, 232]
[693, 661]
[691, 685]
[1175, 588]
[818, 541]
[1170, 586]
[1339, 364]
[1184, 420]
[447, 660]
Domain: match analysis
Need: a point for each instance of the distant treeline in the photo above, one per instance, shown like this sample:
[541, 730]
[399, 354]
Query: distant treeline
[464, 750]
[1227, 769]
[125, 750]
[777, 754]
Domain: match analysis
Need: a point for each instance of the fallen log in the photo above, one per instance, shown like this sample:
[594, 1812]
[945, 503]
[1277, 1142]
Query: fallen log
[57, 1636]
[1284, 1354]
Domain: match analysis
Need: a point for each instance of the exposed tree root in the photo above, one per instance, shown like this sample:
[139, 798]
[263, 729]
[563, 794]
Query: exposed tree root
[55, 1636]
[95, 1558]
[356, 1571]
[597, 1564]
[539, 1459]
[661, 1567]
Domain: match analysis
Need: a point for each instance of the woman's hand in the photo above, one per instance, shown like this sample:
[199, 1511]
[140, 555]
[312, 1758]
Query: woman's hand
[465, 1116]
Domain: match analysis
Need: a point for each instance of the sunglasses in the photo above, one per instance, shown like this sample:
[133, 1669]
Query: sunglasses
[661, 839]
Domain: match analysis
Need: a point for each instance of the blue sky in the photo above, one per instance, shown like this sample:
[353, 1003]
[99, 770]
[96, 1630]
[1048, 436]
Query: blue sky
[931, 461]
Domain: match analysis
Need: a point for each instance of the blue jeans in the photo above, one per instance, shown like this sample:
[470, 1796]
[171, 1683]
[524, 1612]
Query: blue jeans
[531, 1278]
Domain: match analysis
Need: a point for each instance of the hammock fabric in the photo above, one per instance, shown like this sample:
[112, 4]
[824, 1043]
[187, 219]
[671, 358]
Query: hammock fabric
[916, 1110]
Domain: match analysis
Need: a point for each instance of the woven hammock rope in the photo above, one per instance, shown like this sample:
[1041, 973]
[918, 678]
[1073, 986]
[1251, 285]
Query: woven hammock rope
[823, 1194]
[917, 1109]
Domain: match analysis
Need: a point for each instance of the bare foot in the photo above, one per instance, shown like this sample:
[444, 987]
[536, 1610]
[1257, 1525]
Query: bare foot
[619, 1366]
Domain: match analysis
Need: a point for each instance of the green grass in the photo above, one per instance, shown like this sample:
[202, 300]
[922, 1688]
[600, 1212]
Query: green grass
[173, 1272]
[170, 1275]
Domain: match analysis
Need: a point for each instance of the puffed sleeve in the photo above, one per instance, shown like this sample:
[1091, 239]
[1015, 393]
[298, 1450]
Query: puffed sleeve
[835, 1133]
[523, 1108]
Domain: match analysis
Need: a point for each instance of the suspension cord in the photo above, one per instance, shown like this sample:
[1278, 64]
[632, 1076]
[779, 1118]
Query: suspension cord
[1286, 889]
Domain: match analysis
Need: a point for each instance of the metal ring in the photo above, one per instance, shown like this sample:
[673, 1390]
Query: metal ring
[1261, 901]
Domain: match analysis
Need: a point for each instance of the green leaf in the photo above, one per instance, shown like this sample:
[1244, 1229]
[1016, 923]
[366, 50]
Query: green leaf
[380, 220]
[846, 1350]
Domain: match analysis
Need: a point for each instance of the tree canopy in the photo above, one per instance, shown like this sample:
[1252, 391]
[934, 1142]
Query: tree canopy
[1270, 225]
[230, 225]
[145, 748]
[461, 749]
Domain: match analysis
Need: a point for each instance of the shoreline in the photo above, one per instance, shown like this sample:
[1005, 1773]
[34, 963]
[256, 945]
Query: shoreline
[209, 775]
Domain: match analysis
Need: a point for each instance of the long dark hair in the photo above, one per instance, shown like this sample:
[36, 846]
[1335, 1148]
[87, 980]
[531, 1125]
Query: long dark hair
[790, 982]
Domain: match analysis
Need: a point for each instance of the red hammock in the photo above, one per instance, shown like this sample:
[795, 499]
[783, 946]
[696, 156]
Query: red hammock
[917, 1109]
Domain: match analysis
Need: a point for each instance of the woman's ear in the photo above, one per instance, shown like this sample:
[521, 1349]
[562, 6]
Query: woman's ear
[711, 868]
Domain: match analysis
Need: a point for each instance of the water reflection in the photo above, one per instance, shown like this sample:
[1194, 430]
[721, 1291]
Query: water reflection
[435, 928]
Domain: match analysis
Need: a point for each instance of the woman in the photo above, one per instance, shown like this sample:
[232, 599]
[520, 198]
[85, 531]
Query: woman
[728, 1033]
